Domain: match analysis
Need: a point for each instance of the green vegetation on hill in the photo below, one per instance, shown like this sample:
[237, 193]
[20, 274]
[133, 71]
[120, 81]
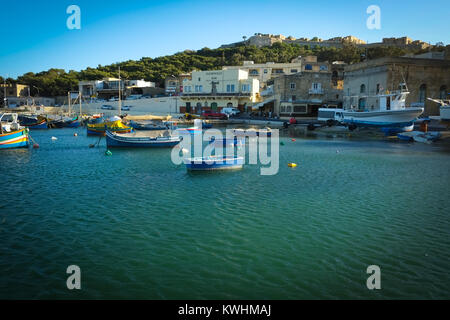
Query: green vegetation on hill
[56, 82]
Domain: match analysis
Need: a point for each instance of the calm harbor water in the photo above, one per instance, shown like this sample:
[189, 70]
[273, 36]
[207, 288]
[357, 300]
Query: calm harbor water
[141, 227]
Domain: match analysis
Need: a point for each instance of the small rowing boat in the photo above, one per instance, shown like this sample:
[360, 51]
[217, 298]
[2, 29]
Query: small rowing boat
[214, 163]
[142, 139]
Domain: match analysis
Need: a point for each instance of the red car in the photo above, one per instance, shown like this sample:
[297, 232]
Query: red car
[214, 115]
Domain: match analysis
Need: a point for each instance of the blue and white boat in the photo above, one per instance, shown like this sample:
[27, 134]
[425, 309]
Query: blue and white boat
[391, 112]
[142, 139]
[12, 134]
[214, 163]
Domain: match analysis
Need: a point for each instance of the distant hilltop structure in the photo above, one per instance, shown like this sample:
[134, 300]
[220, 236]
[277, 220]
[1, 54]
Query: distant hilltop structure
[264, 40]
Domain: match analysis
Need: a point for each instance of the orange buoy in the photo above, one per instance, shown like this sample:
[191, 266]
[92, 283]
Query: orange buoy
[293, 140]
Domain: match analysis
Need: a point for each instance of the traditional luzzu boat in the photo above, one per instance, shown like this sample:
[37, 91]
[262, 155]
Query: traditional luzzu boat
[142, 139]
[33, 122]
[12, 134]
[212, 163]
[114, 124]
[72, 122]
[390, 113]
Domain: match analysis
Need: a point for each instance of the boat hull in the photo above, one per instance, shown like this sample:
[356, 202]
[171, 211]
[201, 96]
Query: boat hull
[118, 141]
[202, 164]
[39, 125]
[15, 139]
[386, 119]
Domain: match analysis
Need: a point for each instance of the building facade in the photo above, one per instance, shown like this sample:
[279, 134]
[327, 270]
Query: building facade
[425, 78]
[109, 88]
[215, 90]
[173, 85]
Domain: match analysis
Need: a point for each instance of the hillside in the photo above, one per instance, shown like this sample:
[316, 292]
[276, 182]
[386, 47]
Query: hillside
[57, 82]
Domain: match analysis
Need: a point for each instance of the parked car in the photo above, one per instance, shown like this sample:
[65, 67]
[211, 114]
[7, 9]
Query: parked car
[107, 107]
[231, 111]
[214, 115]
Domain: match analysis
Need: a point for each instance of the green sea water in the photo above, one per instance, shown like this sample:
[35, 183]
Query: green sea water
[140, 227]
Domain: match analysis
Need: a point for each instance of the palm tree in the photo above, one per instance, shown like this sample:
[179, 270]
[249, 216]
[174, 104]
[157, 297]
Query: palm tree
[244, 37]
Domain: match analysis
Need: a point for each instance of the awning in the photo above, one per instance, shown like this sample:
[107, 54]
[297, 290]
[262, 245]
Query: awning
[262, 104]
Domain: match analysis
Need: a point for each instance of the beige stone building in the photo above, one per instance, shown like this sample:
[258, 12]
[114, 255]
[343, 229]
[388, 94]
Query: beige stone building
[302, 94]
[425, 78]
[214, 90]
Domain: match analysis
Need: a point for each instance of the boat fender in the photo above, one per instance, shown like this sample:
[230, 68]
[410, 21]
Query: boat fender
[292, 165]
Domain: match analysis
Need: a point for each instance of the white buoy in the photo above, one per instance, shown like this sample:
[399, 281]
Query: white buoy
[54, 138]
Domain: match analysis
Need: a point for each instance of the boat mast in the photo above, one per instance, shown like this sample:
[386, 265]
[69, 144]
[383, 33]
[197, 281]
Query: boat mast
[4, 93]
[80, 102]
[120, 102]
[68, 99]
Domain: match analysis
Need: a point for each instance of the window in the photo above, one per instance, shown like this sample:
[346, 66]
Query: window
[187, 89]
[294, 71]
[265, 70]
[443, 92]
[214, 106]
[246, 88]
[323, 68]
[254, 72]
[230, 87]
[199, 79]
[378, 88]
[308, 67]
[292, 85]
[294, 98]
[362, 88]
[199, 88]
[422, 93]
[316, 86]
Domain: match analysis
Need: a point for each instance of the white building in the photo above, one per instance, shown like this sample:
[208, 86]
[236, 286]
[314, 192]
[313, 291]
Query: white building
[214, 90]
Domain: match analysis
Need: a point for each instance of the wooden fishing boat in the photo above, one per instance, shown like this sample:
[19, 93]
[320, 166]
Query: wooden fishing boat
[33, 122]
[214, 163]
[142, 139]
[12, 134]
[113, 124]
[72, 122]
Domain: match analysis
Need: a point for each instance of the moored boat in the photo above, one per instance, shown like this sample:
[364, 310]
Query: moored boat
[391, 111]
[214, 163]
[142, 139]
[12, 134]
[113, 124]
[33, 122]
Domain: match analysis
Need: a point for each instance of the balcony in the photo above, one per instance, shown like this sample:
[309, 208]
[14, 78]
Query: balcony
[316, 91]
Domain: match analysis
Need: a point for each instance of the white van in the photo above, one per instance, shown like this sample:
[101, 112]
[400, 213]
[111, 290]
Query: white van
[230, 111]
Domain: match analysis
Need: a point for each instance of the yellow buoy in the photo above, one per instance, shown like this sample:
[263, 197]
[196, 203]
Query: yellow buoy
[292, 165]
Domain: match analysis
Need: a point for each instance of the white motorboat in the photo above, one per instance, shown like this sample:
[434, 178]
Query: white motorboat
[390, 112]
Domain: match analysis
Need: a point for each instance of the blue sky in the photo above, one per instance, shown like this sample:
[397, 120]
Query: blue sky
[35, 36]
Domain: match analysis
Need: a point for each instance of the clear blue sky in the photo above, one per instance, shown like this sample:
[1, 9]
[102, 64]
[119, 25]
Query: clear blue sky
[35, 36]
